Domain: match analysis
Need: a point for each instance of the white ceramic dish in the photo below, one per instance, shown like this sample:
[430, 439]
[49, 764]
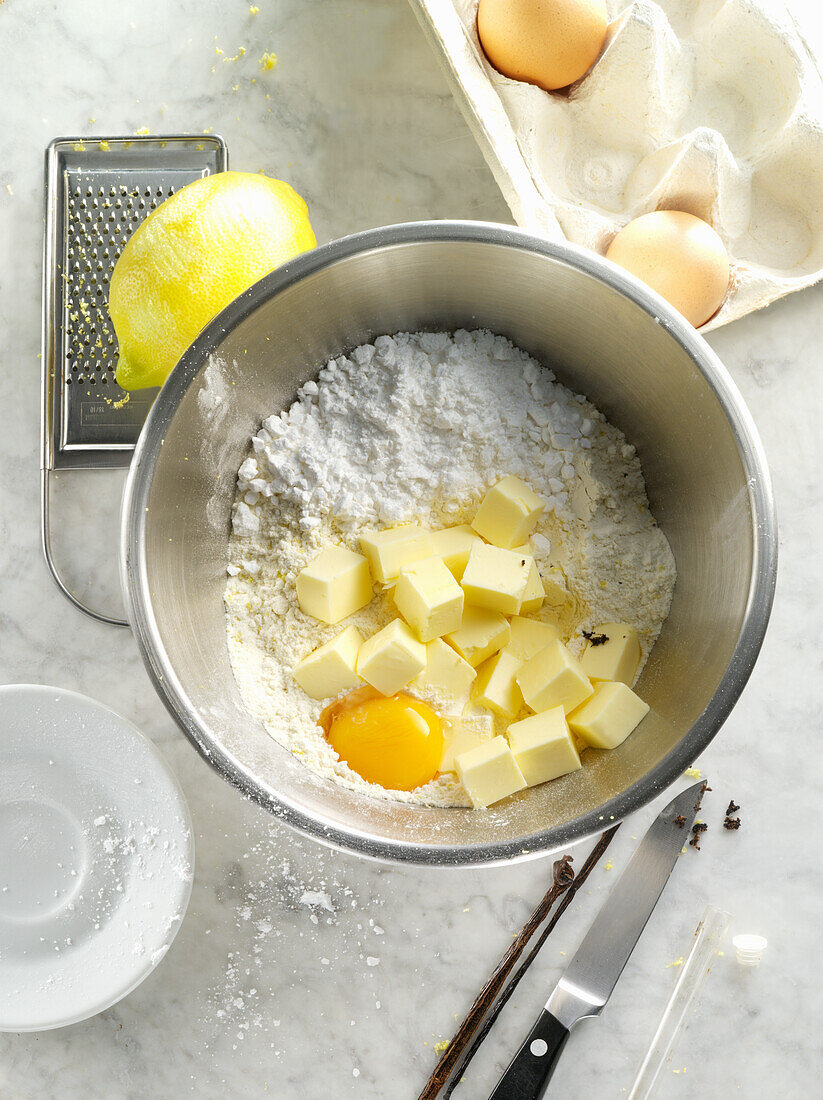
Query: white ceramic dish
[96, 857]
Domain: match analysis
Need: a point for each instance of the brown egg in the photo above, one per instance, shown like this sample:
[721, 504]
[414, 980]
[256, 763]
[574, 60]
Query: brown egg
[550, 43]
[678, 255]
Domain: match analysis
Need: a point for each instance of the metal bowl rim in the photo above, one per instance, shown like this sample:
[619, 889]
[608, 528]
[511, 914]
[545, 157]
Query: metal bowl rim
[761, 590]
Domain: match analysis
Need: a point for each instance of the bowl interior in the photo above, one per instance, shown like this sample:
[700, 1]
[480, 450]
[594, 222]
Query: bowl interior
[638, 368]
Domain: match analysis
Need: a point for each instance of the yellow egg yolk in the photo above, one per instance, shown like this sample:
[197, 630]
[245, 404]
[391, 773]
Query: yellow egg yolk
[394, 741]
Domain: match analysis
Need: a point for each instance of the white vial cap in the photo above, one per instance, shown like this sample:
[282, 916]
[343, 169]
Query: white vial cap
[749, 948]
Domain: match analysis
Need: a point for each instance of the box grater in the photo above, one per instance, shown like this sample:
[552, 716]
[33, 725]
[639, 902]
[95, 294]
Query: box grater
[98, 190]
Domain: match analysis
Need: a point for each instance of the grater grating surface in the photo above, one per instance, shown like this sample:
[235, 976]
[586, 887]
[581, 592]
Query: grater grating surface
[97, 193]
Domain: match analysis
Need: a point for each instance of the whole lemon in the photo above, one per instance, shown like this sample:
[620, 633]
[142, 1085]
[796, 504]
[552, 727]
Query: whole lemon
[191, 256]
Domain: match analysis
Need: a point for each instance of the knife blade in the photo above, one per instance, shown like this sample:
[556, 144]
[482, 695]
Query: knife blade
[590, 977]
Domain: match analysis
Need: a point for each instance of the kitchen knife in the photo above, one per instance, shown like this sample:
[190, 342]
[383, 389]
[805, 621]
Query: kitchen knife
[598, 962]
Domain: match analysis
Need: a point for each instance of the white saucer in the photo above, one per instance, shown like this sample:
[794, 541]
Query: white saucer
[96, 857]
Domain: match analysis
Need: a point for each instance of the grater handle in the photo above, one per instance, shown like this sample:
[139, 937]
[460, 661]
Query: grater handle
[45, 540]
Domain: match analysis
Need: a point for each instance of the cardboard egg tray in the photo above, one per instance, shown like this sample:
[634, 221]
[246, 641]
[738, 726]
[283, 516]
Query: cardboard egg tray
[710, 106]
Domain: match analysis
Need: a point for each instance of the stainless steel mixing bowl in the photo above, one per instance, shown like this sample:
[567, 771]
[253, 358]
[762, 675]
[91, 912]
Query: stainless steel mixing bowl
[605, 335]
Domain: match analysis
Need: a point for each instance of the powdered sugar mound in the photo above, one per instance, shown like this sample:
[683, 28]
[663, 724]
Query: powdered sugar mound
[405, 426]
[416, 427]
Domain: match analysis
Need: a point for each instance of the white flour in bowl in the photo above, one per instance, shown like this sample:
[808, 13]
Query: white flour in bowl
[417, 427]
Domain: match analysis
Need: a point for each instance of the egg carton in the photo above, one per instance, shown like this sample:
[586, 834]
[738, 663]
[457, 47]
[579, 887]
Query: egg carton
[714, 107]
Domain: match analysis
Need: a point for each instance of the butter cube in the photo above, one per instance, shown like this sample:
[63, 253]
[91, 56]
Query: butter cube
[542, 746]
[529, 636]
[533, 594]
[616, 658]
[496, 686]
[391, 658]
[429, 598]
[336, 584]
[462, 734]
[496, 579]
[331, 668]
[489, 772]
[480, 634]
[446, 673]
[508, 513]
[453, 545]
[554, 677]
[555, 588]
[388, 551]
[606, 719]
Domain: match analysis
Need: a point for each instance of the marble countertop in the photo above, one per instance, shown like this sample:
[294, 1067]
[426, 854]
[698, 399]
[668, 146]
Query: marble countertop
[301, 972]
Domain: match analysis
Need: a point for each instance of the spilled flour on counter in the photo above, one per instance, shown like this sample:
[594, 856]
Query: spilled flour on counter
[290, 920]
[416, 427]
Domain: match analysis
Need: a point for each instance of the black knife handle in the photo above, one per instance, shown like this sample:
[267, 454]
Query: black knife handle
[530, 1069]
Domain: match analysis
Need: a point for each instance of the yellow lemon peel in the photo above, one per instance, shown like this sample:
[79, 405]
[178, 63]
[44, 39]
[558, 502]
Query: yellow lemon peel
[192, 256]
